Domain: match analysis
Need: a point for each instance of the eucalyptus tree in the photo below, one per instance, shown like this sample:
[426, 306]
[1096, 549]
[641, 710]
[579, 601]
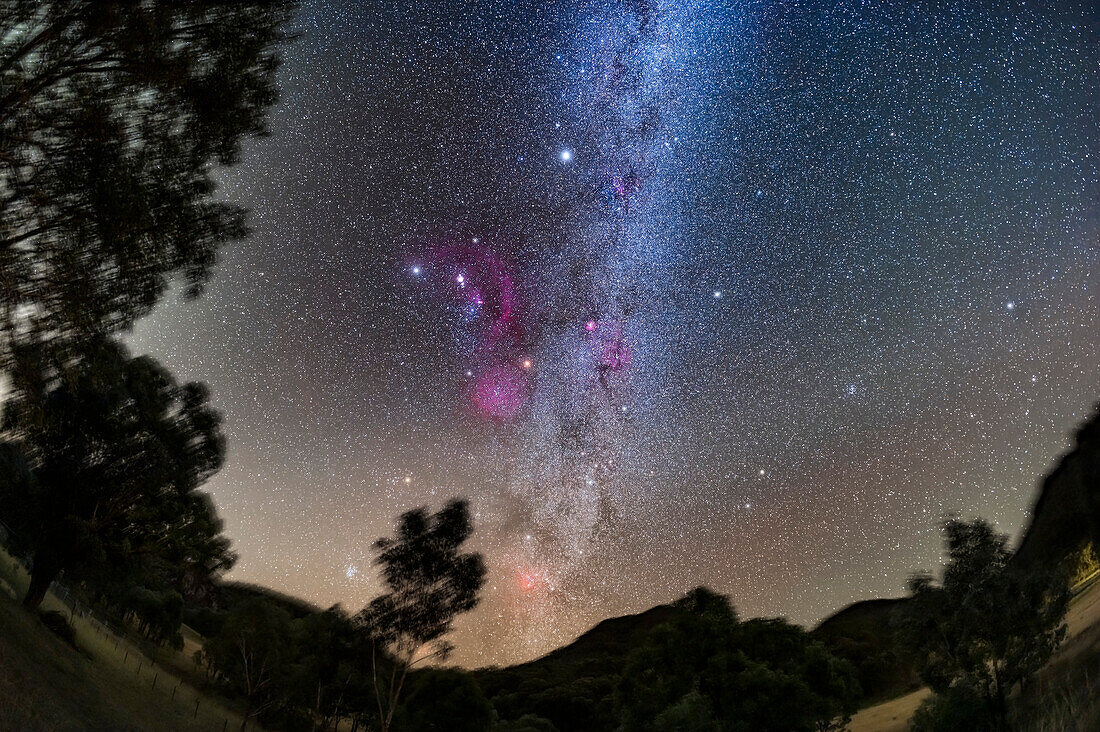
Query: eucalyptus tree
[114, 115]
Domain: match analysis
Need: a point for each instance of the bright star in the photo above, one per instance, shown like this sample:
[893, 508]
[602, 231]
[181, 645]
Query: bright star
[566, 155]
[717, 294]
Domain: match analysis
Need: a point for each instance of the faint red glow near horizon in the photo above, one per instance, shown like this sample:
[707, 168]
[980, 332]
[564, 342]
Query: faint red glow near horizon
[531, 581]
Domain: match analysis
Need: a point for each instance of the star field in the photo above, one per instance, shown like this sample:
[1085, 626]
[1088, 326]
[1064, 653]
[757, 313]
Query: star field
[676, 293]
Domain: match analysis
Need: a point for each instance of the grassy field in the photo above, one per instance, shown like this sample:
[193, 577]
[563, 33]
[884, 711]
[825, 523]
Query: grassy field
[106, 683]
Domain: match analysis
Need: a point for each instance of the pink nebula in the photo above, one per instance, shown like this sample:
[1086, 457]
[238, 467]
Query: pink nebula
[501, 392]
[614, 354]
[483, 279]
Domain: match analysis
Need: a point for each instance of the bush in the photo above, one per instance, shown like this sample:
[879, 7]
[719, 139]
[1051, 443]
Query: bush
[59, 626]
[203, 620]
[526, 723]
[962, 707]
[692, 712]
[444, 699]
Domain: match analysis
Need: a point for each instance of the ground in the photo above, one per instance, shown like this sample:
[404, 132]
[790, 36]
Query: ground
[103, 684]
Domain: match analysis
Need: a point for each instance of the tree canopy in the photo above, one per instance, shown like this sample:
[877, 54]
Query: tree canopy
[113, 116]
[105, 455]
[251, 652]
[705, 670]
[430, 582]
[987, 626]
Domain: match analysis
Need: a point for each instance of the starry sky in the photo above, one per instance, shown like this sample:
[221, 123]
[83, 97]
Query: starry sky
[746, 294]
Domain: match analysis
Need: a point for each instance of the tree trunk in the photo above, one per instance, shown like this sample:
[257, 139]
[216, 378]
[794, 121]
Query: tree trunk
[42, 576]
[1002, 701]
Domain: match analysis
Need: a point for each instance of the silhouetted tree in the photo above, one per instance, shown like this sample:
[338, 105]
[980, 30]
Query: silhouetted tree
[330, 671]
[987, 626]
[251, 654]
[430, 582]
[194, 553]
[113, 114]
[705, 670]
[158, 614]
[444, 700]
[111, 454]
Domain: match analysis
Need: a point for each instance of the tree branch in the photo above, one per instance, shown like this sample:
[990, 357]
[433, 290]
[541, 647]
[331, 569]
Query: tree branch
[47, 34]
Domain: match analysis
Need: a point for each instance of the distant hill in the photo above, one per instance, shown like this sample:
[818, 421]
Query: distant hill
[1067, 512]
[607, 641]
[234, 593]
[863, 633]
[573, 686]
[206, 620]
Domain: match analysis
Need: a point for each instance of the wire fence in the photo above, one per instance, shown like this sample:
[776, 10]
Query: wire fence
[148, 673]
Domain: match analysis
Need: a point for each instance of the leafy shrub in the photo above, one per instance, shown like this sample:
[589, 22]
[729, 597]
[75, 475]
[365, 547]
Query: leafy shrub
[962, 707]
[526, 723]
[59, 626]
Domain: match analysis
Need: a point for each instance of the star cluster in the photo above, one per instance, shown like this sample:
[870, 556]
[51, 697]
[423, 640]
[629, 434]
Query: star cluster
[746, 294]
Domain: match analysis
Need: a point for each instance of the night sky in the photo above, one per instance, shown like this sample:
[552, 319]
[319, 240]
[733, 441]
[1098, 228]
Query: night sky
[745, 294]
